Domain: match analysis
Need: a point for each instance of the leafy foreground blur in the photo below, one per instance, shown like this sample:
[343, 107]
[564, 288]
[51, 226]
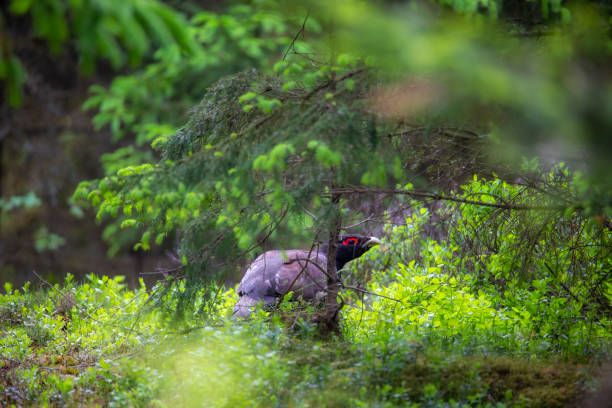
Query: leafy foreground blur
[508, 333]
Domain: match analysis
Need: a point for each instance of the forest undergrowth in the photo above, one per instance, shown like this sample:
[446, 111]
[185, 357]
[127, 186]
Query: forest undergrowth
[492, 286]
[511, 308]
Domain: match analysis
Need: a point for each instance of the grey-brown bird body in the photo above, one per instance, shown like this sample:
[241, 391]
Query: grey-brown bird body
[275, 273]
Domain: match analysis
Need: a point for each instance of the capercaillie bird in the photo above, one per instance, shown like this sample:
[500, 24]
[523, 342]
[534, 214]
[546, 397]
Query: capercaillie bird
[275, 273]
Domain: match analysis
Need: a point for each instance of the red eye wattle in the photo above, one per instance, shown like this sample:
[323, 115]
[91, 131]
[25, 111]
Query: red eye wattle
[350, 241]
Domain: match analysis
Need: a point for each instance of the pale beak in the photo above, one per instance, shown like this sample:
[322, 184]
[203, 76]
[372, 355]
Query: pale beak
[373, 241]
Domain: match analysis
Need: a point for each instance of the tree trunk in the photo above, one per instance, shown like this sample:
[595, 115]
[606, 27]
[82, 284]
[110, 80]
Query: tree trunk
[332, 308]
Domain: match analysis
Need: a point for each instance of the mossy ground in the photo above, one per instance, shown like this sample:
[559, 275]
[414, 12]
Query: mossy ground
[434, 378]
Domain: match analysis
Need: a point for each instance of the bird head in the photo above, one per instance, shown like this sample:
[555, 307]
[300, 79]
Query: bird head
[353, 246]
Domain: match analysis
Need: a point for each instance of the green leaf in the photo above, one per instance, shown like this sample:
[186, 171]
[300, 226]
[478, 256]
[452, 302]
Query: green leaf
[20, 7]
[247, 97]
[15, 77]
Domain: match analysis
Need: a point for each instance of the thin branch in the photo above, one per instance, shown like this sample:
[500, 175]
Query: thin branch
[308, 260]
[314, 217]
[359, 223]
[272, 228]
[434, 196]
[45, 281]
[162, 271]
[300, 31]
[333, 82]
[355, 288]
[563, 285]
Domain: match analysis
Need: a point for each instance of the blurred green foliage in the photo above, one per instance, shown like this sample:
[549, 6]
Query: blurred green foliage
[29, 200]
[153, 102]
[149, 105]
[536, 80]
[47, 241]
[117, 31]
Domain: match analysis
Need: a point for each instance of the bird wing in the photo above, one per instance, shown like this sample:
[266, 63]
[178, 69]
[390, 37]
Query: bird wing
[259, 279]
[303, 273]
[275, 273]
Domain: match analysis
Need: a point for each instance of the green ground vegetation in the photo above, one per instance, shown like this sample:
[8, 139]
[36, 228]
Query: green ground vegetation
[431, 327]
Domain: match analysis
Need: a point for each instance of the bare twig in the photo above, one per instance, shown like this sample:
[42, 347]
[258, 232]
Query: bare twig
[333, 82]
[306, 264]
[563, 285]
[359, 223]
[300, 31]
[367, 292]
[434, 196]
[44, 280]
